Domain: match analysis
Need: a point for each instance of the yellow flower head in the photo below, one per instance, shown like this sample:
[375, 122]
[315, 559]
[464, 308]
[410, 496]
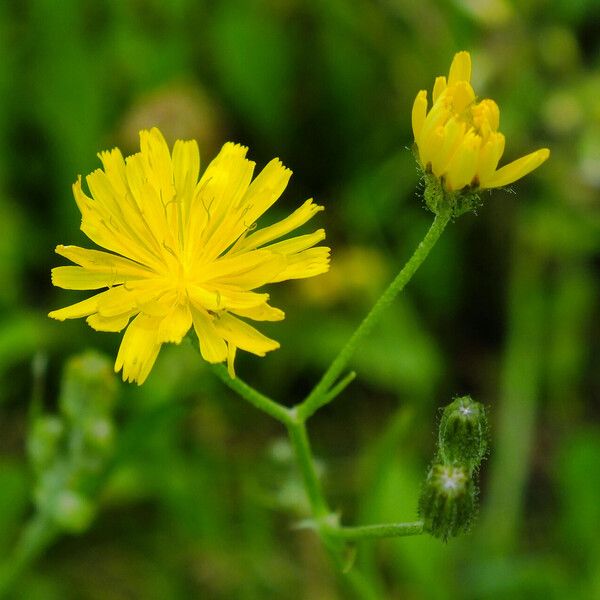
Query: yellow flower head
[458, 139]
[183, 251]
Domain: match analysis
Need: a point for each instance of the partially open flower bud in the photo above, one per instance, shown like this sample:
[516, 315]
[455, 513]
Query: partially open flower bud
[458, 145]
[463, 433]
[448, 501]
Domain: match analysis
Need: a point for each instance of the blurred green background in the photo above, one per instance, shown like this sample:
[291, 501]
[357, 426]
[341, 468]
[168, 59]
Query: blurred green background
[201, 493]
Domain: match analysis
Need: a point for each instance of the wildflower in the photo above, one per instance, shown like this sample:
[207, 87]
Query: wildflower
[183, 252]
[458, 141]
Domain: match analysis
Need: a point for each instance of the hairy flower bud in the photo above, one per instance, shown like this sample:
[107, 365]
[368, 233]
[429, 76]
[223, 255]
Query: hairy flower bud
[438, 199]
[72, 511]
[448, 501]
[43, 440]
[99, 434]
[89, 387]
[463, 433]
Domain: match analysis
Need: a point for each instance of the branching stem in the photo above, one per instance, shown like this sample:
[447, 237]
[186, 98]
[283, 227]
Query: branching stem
[324, 392]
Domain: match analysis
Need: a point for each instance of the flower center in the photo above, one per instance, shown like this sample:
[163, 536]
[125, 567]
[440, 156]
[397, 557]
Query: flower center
[452, 479]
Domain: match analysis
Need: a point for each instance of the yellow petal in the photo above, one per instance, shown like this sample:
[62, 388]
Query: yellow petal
[116, 301]
[265, 190]
[96, 260]
[186, 169]
[139, 349]
[244, 336]
[463, 166]
[212, 345]
[490, 154]
[95, 222]
[78, 278]
[82, 200]
[419, 112]
[218, 208]
[462, 96]
[80, 309]
[157, 222]
[283, 227]
[148, 200]
[518, 168]
[175, 324]
[437, 116]
[118, 213]
[225, 181]
[217, 298]
[298, 243]
[263, 312]
[114, 167]
[460, 69]
[124, 232]
[156, 159]
[100, 323]
[231, 349]
[247, 271]
[308, 263]
[453, 135]
[486, 116]
[435, 144]
[153, 297]
[438, 87]
[103, 192]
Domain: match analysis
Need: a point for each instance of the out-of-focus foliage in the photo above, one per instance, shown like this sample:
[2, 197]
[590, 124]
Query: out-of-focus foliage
[506, 308]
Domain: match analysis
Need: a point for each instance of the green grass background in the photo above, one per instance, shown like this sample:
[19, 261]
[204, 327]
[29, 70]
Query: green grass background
[506, 308]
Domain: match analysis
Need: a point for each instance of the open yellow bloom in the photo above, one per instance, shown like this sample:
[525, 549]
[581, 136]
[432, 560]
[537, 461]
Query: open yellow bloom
[183, 251]
[458, 138]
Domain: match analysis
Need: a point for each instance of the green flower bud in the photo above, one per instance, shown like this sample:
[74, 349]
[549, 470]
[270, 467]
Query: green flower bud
[463, 434]
[448, 501]
[43, 440]
[99, 434]
[88, 388]
[72, 511]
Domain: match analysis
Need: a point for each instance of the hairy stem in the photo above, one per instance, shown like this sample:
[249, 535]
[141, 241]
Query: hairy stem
[383, 530]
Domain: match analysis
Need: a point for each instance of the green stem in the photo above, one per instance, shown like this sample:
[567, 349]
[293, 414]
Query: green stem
[258, 400]
[384, 530]
[319, 396]
[320, 513]
[339, 387]
[306, 464]
[36, 537]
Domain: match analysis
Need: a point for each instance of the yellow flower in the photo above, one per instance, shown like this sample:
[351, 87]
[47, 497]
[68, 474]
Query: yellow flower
[458, 139]
[183, 251]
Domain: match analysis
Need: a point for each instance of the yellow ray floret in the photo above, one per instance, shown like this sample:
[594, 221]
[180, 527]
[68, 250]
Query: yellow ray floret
[183, 251]
[458, 138]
